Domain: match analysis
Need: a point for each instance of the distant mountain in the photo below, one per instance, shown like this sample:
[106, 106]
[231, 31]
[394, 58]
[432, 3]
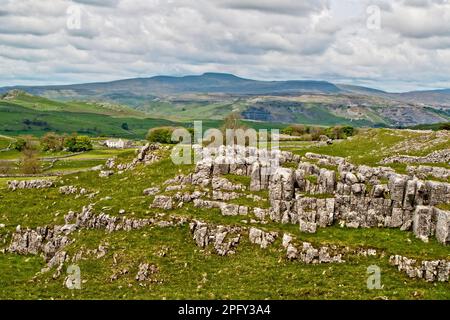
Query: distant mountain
[433, 97]
[212, 96]
[362, 90]
[166, 85]
[136, 89]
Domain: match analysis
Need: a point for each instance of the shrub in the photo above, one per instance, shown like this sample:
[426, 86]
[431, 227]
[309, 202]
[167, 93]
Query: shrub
[52, 142]
[161, 135]
[78, 143]
[19, 144]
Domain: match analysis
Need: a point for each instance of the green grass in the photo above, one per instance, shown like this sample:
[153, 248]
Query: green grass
[371, 146]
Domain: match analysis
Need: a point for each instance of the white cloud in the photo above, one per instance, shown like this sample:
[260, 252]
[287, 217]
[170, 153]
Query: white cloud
[286, 39]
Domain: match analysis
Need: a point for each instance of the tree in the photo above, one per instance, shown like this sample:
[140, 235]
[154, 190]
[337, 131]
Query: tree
[232, 122]
[161, 135]
[52, 142]
[30, 163]
[124, 126]
[76, 143]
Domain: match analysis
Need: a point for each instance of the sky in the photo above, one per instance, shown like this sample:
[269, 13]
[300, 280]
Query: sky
[394, 45]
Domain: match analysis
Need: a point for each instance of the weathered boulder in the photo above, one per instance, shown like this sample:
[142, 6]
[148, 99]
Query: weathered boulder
[203, 172]
[281, 186]
[424, 222]
[327, 181]
[442, 226]
[223, 238]
[151, 191]
[431, 271]
[225, 196]
[145, 271]
[229, 209]
[105, 173]
[397, 186]
[219, 183]
[263, 239]
[163, 202]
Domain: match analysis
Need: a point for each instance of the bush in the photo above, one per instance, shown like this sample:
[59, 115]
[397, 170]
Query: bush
[52, 142]
[78, 143]
[19, 144]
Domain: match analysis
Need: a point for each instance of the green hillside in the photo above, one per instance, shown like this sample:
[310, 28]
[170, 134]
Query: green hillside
[43, 104]
[17, 120]
[33, 115]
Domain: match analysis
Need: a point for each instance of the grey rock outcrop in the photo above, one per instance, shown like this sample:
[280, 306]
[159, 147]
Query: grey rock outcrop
[163, 202]
[307, 254]
[105, 173]
[443, 226]
[262, 238]
[145, 271]
[219, 183]
[151, 191]
[434, 157]
[423, 172]
[29, 184]
[431, 271]
[424, 222]
[224, 239]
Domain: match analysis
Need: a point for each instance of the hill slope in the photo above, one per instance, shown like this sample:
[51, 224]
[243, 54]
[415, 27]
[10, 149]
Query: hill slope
[38, 103]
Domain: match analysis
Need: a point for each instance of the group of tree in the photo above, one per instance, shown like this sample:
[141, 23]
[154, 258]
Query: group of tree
[52, 142]
[315, 133]
[76, 143]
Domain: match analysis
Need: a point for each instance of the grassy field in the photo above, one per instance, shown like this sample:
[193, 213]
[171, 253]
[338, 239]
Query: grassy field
[186, 271]
[370, 146]
[65, 162]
